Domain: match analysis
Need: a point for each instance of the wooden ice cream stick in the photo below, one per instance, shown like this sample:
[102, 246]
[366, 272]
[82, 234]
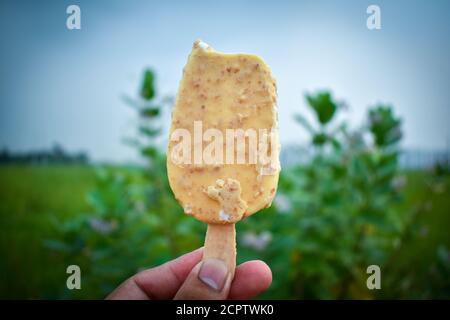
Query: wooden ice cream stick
[220, 243]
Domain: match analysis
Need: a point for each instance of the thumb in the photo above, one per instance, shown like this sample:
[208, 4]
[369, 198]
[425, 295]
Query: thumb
[210, 279]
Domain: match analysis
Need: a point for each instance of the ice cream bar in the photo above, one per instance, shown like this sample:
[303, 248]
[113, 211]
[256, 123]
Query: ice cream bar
[223, 151]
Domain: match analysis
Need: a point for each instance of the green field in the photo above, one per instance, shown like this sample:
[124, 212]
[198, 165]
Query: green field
[425, 248]
[33, 199]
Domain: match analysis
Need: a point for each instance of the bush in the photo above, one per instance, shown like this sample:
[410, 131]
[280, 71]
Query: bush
[332, 216]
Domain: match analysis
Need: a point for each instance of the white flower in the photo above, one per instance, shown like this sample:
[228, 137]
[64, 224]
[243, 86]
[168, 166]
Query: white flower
[282, 203]
[257, 242]
[399, 182]
[102, 226]
[140, 206]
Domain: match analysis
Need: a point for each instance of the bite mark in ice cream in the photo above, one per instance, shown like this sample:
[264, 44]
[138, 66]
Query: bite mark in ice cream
[228, 194]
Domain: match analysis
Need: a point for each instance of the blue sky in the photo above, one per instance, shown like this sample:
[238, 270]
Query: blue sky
[64, 86]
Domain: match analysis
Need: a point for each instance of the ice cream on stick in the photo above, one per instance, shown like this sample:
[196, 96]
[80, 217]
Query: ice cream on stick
[223, 149]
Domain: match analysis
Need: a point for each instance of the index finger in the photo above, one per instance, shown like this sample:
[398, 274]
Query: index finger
[161, 282]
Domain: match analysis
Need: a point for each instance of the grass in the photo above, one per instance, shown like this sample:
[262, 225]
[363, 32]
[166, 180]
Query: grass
[427, 201]
[33, 197]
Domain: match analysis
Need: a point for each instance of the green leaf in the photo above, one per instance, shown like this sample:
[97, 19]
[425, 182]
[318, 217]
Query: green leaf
[148, 85]
[134, 103]
[149, 152]
[324, 106]
[132, 142]
[304, 123]
[150, 112]
[56, 245]
[320, 139]
[336, 144]
[150, 132]
[384, 126]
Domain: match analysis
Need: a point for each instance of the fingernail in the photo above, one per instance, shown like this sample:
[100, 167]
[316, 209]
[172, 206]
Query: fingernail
[213, 273]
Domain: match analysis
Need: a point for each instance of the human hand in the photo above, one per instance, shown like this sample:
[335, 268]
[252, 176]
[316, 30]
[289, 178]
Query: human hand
[187, 277]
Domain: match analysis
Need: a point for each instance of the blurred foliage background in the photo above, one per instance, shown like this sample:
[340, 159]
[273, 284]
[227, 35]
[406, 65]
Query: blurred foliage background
[348, 206]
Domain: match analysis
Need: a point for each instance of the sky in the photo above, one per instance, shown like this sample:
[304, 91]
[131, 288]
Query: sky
[65, 86]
